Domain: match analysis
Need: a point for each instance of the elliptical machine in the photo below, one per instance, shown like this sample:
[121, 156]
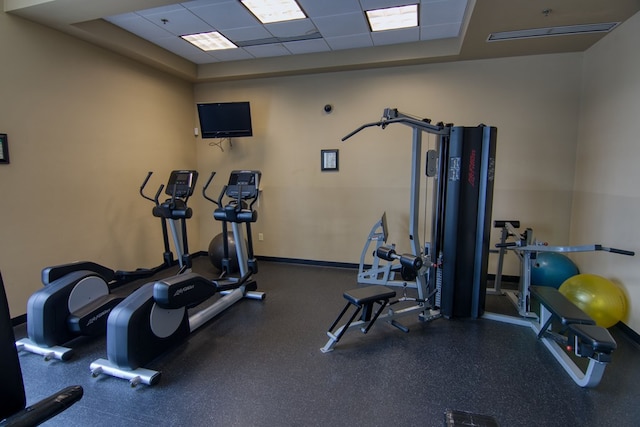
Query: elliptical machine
[77, 297]
[156, 317]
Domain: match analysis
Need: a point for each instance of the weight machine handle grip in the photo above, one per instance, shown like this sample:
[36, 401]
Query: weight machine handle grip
[501, 223]
[621, 251]
[360, 128]
[506, 245]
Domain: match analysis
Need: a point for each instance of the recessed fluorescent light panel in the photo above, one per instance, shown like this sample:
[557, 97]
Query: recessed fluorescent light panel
[393, 18]
[269, 11]
[552, 31]
[209, 41]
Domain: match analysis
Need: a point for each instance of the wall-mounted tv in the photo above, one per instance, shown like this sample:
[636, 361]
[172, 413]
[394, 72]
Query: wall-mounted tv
[225, 119]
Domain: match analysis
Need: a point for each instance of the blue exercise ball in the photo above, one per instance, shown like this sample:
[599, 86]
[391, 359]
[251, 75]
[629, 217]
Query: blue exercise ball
[552, 269]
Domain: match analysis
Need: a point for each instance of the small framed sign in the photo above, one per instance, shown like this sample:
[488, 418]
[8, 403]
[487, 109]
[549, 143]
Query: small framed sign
[4, 148]
[329, 160]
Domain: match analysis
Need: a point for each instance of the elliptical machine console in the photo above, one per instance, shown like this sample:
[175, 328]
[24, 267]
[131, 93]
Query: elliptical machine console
[78, 297]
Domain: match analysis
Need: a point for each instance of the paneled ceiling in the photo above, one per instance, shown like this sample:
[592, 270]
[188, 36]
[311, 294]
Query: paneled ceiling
[335, 36]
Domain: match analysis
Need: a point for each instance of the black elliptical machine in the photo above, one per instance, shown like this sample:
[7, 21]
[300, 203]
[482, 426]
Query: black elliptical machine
[162, 314]
[77, 297]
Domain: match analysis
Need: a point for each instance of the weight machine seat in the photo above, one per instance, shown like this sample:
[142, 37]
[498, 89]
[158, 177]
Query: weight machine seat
[596, 337]
[369, 295]
[363, 299]
[560, 307]
[592, 341]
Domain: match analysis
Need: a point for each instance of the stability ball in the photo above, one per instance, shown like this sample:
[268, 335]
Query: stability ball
[552, 269]
[600, 298]
[216, 252]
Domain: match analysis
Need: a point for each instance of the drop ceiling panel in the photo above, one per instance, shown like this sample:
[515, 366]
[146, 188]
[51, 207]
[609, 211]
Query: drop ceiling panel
[379, 4]
[443, 31]
[307, 46]
[139, 26]
[300, 27]
[244, 34]
[350, 42]
[175, 19]
[224, 16]
[319, 8]
[267, 50]
[442, 12]
[342, 25]
[230, 54]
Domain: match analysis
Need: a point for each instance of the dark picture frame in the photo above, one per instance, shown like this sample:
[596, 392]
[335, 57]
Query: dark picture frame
[4, 148]
[329, 160]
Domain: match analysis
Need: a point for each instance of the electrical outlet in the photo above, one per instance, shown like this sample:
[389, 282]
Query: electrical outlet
[260, 237]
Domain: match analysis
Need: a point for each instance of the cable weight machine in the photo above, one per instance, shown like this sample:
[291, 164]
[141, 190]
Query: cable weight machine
[449, 273]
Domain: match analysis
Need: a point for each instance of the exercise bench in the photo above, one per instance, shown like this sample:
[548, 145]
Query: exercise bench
[578, 333]
[363, 299]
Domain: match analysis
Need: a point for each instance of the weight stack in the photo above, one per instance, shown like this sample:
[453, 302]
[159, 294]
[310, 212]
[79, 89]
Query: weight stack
[468, 201]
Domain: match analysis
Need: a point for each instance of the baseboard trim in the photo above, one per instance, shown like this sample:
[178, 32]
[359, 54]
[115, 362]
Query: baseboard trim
[19, 320]
[308, 262]
[630, 333]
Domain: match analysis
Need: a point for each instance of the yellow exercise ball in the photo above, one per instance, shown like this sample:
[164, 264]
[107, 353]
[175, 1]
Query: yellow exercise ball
[600, 298]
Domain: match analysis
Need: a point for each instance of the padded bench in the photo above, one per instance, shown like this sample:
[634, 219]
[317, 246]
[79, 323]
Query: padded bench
[363, 299]
[593, 341]
[590, 340]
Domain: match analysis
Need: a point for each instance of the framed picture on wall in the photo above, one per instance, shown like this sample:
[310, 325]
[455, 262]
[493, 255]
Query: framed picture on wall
[4, 148]
[329, 160]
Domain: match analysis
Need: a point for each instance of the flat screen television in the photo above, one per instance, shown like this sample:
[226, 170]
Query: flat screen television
[225, 119]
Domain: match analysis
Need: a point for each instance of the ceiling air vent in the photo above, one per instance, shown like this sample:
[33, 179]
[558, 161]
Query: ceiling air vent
[552, 31]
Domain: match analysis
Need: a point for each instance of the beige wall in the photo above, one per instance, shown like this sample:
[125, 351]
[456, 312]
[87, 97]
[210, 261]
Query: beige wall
[607, 195]
[84, 127]
[308, 214]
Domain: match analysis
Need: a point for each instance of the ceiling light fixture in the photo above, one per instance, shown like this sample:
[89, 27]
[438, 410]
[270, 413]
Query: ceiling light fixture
[269, 11]
[209, 41]
[552, 31]
[393, 18]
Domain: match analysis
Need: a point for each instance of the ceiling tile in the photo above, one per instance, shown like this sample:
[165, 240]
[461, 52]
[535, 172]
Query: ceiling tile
[139, 26]
[223, 16]
[267, 50]
[379, 4]
[443, 31]
[442, 12]
[307, 46]
[178, 21]
[342, 25]
[298, 27]
[246, 33]
[318, 8]
[350, 42]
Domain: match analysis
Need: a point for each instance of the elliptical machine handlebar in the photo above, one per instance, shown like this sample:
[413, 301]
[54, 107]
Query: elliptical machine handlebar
[204, 189]
[156, 198]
